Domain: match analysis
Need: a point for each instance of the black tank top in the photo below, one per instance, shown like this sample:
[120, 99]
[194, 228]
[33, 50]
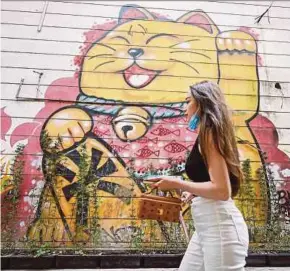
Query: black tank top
[196, 169]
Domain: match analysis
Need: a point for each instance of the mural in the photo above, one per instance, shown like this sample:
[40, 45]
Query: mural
[123, 120]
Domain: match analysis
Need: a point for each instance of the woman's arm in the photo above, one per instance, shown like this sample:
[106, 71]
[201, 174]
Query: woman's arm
[219, 186]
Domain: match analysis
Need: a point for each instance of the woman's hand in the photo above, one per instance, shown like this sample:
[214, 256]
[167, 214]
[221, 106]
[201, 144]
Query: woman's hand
[186, 197]
[164, 183]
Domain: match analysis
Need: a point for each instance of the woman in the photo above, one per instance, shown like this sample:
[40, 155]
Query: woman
[220, 241]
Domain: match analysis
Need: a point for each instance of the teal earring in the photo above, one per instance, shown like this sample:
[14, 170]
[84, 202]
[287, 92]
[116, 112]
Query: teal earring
[193, 123]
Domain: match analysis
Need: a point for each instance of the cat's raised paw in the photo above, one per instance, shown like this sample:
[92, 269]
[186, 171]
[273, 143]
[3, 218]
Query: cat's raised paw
[236, 41]
[66, 128]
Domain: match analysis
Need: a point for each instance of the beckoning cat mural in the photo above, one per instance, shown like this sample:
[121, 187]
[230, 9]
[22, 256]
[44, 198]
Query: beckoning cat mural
[127, 122]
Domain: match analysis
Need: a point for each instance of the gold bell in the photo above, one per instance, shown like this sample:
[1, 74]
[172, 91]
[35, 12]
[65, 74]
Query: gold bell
[131, 123]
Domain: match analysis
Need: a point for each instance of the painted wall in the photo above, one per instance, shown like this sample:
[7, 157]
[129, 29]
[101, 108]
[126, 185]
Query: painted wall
[92, 101]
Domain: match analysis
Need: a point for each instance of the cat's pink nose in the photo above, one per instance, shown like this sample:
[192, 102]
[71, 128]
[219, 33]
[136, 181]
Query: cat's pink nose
[135, 52]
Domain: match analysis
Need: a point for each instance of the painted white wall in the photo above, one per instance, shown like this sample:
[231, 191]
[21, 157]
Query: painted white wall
[69, 29]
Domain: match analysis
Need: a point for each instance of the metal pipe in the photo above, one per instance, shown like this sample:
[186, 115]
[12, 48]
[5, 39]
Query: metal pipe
[42, 16]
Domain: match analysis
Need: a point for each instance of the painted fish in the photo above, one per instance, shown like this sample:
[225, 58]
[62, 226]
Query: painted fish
[175, 147]
[118, 148]
[146, 152]
[161, 131]
[146, 139]
[175, 120]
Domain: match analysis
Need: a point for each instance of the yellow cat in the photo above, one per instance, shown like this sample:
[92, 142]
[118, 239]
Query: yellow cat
[141, 65]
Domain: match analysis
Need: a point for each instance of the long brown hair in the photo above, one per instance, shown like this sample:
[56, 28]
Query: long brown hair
[215, 118]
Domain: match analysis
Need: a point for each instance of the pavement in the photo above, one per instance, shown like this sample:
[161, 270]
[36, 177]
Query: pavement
[162, 269]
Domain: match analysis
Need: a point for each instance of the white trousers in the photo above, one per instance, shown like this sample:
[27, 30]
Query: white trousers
[221, 239]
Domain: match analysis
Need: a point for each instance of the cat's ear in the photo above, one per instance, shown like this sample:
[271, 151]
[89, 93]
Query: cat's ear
[200, 19]
[131, 12]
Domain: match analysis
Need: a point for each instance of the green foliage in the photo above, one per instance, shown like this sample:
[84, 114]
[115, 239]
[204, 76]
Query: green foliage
[17, 172]
[247, 196]
[11, 200]
[272, 237]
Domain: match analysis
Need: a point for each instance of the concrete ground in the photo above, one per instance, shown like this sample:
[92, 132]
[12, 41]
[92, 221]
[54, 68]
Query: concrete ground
[165, 269]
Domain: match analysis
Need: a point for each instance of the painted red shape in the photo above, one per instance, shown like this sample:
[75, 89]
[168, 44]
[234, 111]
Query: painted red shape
[91, 37]
[5, 123]
[267, 137]
[23, 131]
[268, 140]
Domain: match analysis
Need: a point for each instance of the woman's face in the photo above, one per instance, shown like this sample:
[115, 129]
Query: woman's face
[191, 108]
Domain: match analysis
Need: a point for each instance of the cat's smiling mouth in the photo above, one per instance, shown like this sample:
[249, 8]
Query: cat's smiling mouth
[137, 77]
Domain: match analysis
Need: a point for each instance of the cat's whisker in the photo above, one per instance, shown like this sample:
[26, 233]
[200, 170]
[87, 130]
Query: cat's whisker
[183, 42]
[104, 63]
[99, 56]
[105, 45]
[184, 64]
[189, 52]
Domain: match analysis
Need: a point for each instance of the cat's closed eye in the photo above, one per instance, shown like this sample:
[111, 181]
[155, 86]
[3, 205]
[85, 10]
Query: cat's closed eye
[160, 35]
[121, 38]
